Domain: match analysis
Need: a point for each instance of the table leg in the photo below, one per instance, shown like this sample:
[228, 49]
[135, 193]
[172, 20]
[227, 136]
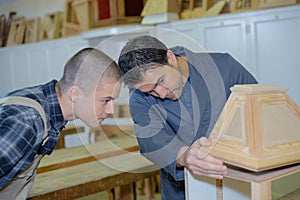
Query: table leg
[261, 190]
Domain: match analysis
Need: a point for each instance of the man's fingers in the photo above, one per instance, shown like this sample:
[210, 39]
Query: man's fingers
[203, 141]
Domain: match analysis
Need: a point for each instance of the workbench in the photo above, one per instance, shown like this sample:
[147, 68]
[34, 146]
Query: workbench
[68, 130]
[81, 171]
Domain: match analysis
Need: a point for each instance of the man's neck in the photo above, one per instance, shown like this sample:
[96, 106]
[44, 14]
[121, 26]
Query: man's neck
[183, 66]
[64, 103]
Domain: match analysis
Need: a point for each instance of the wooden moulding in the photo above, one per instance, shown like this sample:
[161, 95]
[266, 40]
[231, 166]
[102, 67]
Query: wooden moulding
[51, 27]
[33, 27]
[258, 129]
[196, 8]
[16, 32]
[275, 3]
[243, 5]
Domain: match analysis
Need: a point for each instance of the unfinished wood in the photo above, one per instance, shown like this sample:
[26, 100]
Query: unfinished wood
[261, 191]
[89, 178]
[51, 27]
[243, 5]
[104, 12]
[275, 3]
[3, 27]
[83, 12]
[216, 9]
[159, 6]
[16, 32]
[67, 131]
[195, 9]
[32, 30]
[292, 195]
[258, 129]
[258, 184]
[201, 8]
[62, 158]
[70, 22]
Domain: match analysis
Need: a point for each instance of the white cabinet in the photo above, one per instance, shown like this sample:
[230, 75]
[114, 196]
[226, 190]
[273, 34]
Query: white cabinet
[6, 72]
[276, 48]
[266, 42]
[227, 34]
[33, 64]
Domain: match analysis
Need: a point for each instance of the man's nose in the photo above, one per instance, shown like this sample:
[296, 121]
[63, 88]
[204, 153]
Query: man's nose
[161, 91]
[110, 107]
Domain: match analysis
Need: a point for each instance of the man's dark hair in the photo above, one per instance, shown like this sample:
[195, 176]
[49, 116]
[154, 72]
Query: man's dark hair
[140, 54]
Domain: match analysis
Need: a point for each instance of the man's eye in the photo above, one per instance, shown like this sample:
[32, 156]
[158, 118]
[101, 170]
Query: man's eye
[161, 81]
[104, 101]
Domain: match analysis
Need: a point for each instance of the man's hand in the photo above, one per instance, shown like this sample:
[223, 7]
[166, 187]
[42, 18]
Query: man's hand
[198, 163]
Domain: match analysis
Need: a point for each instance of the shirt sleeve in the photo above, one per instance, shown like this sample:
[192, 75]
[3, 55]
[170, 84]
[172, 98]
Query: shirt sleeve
[18, 134]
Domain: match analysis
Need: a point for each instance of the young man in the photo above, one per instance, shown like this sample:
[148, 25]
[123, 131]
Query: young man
[176, 98]
[90, 83]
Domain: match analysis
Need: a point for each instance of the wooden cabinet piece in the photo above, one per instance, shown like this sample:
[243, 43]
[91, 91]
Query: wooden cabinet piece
[258, 129]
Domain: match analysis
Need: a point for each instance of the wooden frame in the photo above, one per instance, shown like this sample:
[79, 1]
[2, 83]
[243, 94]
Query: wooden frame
[83, 15]
[32, 30]
[16, 32]
[258, 129]
[51, 27]
[194, 10]
[107, 19]
[243, 5]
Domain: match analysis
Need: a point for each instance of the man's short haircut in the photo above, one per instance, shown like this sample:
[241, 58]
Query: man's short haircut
[140, 54]
[87, 69]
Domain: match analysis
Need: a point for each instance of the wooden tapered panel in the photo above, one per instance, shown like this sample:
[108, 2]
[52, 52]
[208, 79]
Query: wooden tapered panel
[258, 129]
[158, 6]
[32, 30]
[16, 32]
[51, 27]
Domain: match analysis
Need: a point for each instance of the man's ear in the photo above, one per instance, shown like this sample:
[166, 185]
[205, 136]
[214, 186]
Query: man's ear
[74, 94]
[171, 58]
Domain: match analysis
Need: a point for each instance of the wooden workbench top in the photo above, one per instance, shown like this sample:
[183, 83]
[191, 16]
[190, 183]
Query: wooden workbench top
[92, 177]
[107, 147]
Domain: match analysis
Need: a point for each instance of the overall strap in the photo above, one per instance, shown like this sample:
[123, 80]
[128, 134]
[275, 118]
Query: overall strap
[31, 103]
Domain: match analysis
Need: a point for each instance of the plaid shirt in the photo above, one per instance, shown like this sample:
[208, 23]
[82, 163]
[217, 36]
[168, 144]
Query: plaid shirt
[22, 130]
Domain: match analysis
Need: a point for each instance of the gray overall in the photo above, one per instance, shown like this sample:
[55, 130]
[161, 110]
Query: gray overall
[19, 187]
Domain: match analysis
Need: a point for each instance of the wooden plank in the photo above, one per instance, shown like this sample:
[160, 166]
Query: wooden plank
[268, 175]
[62, 158]
[70, 129]
[92, 177]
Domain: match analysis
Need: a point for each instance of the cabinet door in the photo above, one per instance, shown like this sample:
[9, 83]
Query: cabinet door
[276, 42]
[6, 72]
[227, 35]
[182, 33]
